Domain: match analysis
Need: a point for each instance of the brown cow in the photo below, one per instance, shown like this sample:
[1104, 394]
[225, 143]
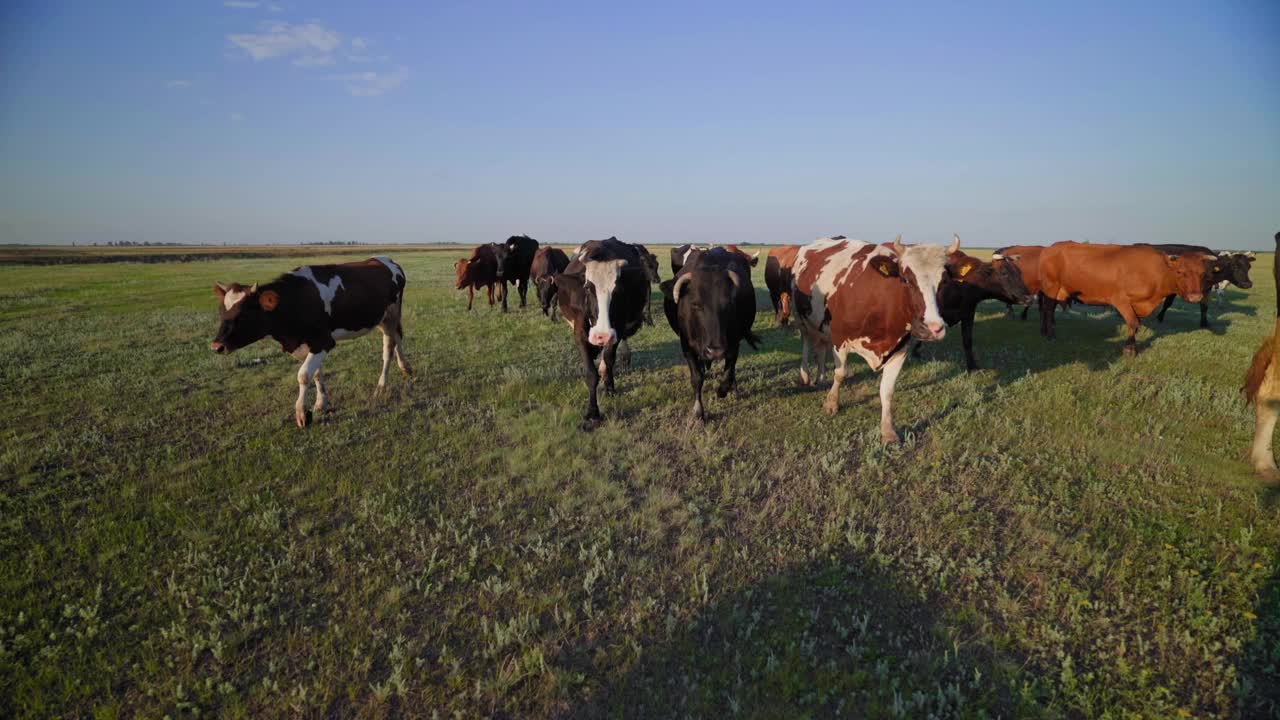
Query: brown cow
[777, 276]
[480, 270]
[309, 310]
[1262, 388]
[751, 259]
[1132, 279]
[871, 300]
[1027, 259]
[547, 262]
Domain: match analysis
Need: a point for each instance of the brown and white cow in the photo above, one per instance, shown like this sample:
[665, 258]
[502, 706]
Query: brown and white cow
[870, 300]
[1262, 389]
[480, 271]
[777, 277]
[309, 310]
[1134, 280]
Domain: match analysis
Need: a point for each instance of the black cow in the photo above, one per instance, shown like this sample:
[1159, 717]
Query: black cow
[1227, 268]
[681, 255]
[602, 294]
[515, 258]
[959, 295]
[650, 262]
[711, 305]
[547, 262]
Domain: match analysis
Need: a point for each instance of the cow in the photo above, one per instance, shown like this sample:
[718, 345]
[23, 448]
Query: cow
[711, 305]
[1225, 268]
[308, 310]
[777, 277]
[870, 300]
[480, 270]
[547, 262]
[1027, 260]
[515, 258]
[1262, 389]
[751, 259]
[650, 262]
[602, 294]
[681, 255]
[958, 297]
[1133, 279]
[1242, 261]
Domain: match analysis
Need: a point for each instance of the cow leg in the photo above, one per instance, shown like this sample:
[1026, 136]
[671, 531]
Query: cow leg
[310, 370]
[696, 376]
[504, 296]
[624, 352]
[1026, 309]
[524, 292]
[610, 356]
[489, 288]
[588, 352]
[322, 398]
[966, 335]
[471, 292]
[889, 378]
[832, 403]
[1168, 303]
[1008, 311]
[821, 346]
[786, 309]
[388, 347]
[1204, 313]
[1264, 461]
[1047, 321]
[805, 341]
[730, 379]
[1131, 321]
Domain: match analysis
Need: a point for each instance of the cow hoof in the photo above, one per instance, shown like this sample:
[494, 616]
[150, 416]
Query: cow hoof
[697, 420]
[830, 407]
[590, 423]
[889, 438]
[1130, 351]
[302, 417]
[723, 391]
[804, 378]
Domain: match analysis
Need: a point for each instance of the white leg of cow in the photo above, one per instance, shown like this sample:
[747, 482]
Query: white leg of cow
[388, 346]
[1264, 460]
[889, 378]
[401, 362]
[310, 368]
[322, 398]
[805, 341]
[833, 395]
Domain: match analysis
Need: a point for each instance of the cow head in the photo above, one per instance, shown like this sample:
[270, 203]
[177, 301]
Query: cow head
[601, 279]
[1235, 269]
[245, 315]
[460, 268]
[704, 307]
[925, 267]
[546, 289]
[503, 255]
[1001, 279]
[1189, 272]
[650, 263]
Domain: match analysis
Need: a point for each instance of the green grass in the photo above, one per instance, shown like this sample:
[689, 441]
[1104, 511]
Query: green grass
[1066, 534]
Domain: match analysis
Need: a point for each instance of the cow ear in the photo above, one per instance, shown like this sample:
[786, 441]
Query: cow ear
[269, 300]
[886, 266]
[965, 268]
[220, 290]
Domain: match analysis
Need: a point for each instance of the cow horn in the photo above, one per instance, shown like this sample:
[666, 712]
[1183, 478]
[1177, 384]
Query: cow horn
[680, 283]
[1249, 254]
[253, 289]
[755, 255]
[733, 278]
[955, 244]
[897, 245]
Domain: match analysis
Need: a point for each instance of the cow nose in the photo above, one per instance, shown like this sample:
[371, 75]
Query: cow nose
[218, 347]
[938, 330]
[601, 338]
[1195, 297]
[713, 353]
[1246, 285]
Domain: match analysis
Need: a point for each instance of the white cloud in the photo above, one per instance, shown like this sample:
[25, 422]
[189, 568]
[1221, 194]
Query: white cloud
[370, 84]
[178, 84]
[311, 42]
[240, 4]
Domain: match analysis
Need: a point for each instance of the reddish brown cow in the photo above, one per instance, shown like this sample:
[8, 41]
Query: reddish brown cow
[479, 271]
[1027, 259]
[1134, 280]
[777, 276]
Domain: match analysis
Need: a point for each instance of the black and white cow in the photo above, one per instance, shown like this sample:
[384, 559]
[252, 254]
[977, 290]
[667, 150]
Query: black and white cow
[711, 305]
[602, 296]
[515, 260]
[309, 310]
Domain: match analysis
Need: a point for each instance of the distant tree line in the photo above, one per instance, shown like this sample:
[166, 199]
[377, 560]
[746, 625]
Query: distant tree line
[129, 243]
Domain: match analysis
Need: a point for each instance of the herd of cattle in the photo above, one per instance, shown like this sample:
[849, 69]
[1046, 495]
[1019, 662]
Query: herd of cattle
[875, 301]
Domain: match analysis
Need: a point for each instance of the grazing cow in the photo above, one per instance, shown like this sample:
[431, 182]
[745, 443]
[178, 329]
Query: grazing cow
[959, 296]
[777, 276]
[1225, 268]
[751, 259]
[547, 262]
[309, 310]
[1027, 260]
[602, 295]
[515, 258]
[1130, 278]
[870, 300]
[711, 305]
[1262, 388]
[681, 255]
[480, 270]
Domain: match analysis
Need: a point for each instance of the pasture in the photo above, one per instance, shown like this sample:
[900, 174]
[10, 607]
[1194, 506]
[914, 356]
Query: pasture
[1066, 533]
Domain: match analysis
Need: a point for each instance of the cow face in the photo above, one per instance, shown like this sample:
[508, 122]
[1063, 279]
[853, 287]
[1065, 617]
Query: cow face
[546, 288]
[460, 268]
[1189, 274]
[244, 316]
[601, 281]
[502, 254]
[1000, 278]
[1235, 269]
[650, 263]
[925, 266]
[704, 307]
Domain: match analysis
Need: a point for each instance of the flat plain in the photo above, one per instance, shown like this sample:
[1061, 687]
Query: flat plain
[1066, 533]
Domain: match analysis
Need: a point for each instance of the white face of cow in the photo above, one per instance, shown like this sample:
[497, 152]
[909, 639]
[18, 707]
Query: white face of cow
[928, 263]
[602, 276]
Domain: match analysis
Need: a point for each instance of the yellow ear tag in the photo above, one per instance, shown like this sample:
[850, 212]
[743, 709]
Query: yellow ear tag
[965, 270]
[1217, 268]
[884, 270]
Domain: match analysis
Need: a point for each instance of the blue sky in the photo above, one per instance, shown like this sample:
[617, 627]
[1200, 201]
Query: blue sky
[244, 121]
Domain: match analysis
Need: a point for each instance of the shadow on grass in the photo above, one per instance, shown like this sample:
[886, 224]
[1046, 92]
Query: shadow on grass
[835, 638]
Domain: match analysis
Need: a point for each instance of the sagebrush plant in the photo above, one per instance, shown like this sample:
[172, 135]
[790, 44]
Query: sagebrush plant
[1067, 533]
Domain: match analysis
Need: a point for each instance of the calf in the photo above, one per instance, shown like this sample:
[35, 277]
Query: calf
[1225, 268]
[601, 296]
[480, 270]
[711, 305]
[1262, 389]
[515, 259]
[309, 310]
[959, 295]
[1133, 279]
[777, 277]
[547, 262]
[870, 300]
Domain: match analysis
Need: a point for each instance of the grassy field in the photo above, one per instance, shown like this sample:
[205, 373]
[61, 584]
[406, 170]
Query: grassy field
[1066, 534]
